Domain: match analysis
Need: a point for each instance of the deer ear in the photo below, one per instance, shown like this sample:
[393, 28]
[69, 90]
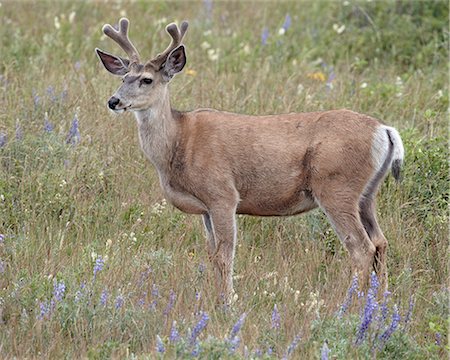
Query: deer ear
[114, 64]
[175, 63]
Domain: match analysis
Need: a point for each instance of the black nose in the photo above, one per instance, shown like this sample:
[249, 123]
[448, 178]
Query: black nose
[113, 102]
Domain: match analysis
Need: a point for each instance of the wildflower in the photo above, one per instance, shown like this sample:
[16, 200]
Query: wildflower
[351, 290]
[196, 351]
[234, 344]
[104, 297]
[237, 326]
[99, 263]
[292, 346]
[287, 22]
[171, 303]
[208, 4]
[205, 45]
[44, 310]
[331, 77]
[191, 72]
[73, 137]
[36, 98]
[384, 337]
[275, 318]
[265, 35]
[438, 339]
[79, 294]
[119, 302]
[369, 309]
[51, 93]
[19, 131]
[159, 345]
[198, 328]
[339, 28]
[409, 312]
[3, 139]
[57, 23]
[2, 238]
[318, 75]
[2, 266]
[59, 288]
[174, 334]
[363, 85]
[48, 126]
[72, 16]
[213, 54]
[383, 309]
[324, 352]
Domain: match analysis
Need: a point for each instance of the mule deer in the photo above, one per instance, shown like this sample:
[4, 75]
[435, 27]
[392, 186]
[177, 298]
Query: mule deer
[217, 164]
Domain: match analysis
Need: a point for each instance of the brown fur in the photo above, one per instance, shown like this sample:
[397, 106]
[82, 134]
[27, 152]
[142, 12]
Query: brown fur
[218, 164]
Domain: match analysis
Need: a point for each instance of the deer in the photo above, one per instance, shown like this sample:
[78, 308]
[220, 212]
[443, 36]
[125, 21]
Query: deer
[218, 164]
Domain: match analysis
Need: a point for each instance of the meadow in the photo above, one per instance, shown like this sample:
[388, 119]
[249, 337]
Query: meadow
[95, 264]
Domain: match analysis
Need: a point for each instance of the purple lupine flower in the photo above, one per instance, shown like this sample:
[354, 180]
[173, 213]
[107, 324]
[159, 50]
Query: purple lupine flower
[383, 309]
[348, 300]
[2, 237]
[369, 310]
[208, 4]
[80, 293]
[438, 339]
[51, 93]
[275, 318]
[3, 139]
[73, 137]
[144, 276]
[174, 334]
[287, 22]
[198, 328]
[119, 302]
[409, 312]
[141, 301]
[292, 346]
[201, 268]
[59, 288]
[196, 349]
[160, 345]
[104, 297]
[44, 310]
[324, 352]
[98, 266]
[258, 352]
[265, 36]
[19, 131]
[48, 126]
[237, 326]
[234, 343]
[384, 337]
[171, 303]
[331, 77]
[36, 98]
[269, 351]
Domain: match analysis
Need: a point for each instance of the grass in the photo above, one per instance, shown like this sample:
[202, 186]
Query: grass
[64, 204]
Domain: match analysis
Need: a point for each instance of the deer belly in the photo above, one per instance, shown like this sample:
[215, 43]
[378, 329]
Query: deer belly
[274, 206]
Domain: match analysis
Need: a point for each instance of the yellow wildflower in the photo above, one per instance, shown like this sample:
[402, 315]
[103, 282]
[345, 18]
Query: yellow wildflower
[319, 75]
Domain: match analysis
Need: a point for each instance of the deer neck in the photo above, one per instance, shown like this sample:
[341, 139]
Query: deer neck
[157, 133]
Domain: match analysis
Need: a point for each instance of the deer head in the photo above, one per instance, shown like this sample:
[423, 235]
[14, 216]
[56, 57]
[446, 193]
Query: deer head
[144, 85]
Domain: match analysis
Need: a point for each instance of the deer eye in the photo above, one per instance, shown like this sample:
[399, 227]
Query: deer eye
[147, 81]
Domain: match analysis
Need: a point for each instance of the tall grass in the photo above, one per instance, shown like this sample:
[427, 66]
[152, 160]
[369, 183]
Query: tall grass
[95, 264]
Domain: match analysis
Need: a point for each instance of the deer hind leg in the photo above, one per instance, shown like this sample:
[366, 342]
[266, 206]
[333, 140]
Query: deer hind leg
[341, 207]
[367, 213]
[220, 225]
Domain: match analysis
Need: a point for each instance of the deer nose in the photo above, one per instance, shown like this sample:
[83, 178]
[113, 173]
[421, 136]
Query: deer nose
[113, 102]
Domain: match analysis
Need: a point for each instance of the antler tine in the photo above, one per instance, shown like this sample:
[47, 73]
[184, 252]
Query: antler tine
[177, 37]
[121, 38]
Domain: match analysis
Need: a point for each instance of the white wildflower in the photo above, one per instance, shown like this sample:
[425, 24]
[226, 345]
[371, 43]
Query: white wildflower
[339, 28]
[205, 45]
[57, 23]
[363, 85]
[72, 16]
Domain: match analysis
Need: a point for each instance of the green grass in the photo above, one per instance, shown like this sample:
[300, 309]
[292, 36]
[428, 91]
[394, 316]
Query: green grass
[62, 205]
